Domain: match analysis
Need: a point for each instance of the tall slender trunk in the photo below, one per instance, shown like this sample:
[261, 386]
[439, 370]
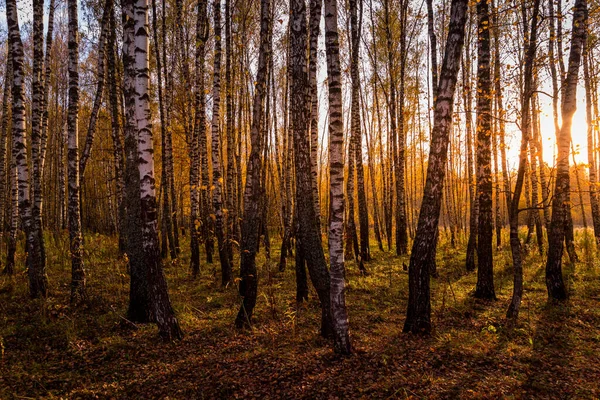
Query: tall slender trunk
[392, 114]
[91, 132]
[473, 198]
[37, 89]
[314, 25]
[560, 208]
[418, 315]
[205, 213]
[140, 306]
[485, 260]
[515, 243]
[38, 280]
[253, 190]
[432, 47]
[592, 172]
[168, 240]
[115, 120]
[199, 129]
[363, 216]
[6, 166]
[309, 232]
[139, 108]
[537, 220]
[231, 216]
[77, 269]
[341, 339]
[579, 191]
[13, 192]
[170, 194]
[46, 89]
[217, 196]
[372, 173]
[500, 109]
[288, 228]
[399, 153]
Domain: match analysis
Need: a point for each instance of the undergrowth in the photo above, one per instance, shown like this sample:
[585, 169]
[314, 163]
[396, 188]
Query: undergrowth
[50, 349]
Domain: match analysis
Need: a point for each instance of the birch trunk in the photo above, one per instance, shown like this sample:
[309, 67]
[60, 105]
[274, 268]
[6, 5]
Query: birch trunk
[309, 233]
[46, 89]
[38, 280]
[474, 204]
[363, 216]
[515, 244]
[399, 153]
[139, 119]
[253, 190]
[199, 129]
[560, 207]
[217, 195]
[418, 316]
[167, 238]
[91, 132]
[485, 270]
[6, 168]
[339, 315]
[315, 22]
[592, 172]
[115, 119]
[75, 237]
[37, 89]
[231, 215]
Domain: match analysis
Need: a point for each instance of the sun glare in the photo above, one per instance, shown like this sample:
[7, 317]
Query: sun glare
[578, 132]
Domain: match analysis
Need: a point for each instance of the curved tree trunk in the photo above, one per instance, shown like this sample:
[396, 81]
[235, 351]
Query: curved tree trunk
[253, 190]
[515, 244]
[91, 132]
[46, 89]
[560, 207]
[418, 315]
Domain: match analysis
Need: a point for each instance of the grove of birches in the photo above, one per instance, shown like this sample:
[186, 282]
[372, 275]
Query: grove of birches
[304, 177]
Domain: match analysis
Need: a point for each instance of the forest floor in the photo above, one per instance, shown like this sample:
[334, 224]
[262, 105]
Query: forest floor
[50, 350]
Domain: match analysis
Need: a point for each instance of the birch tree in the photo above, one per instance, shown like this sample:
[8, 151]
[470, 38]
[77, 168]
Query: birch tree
[199, 129]
[253, 190]
[485, 270]
[75, 236]
[560, 207]
[418, 314]
[530, 47]
[217, 195]
[341, 339]
[308, 230]
[38, 281]
[151, 303]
